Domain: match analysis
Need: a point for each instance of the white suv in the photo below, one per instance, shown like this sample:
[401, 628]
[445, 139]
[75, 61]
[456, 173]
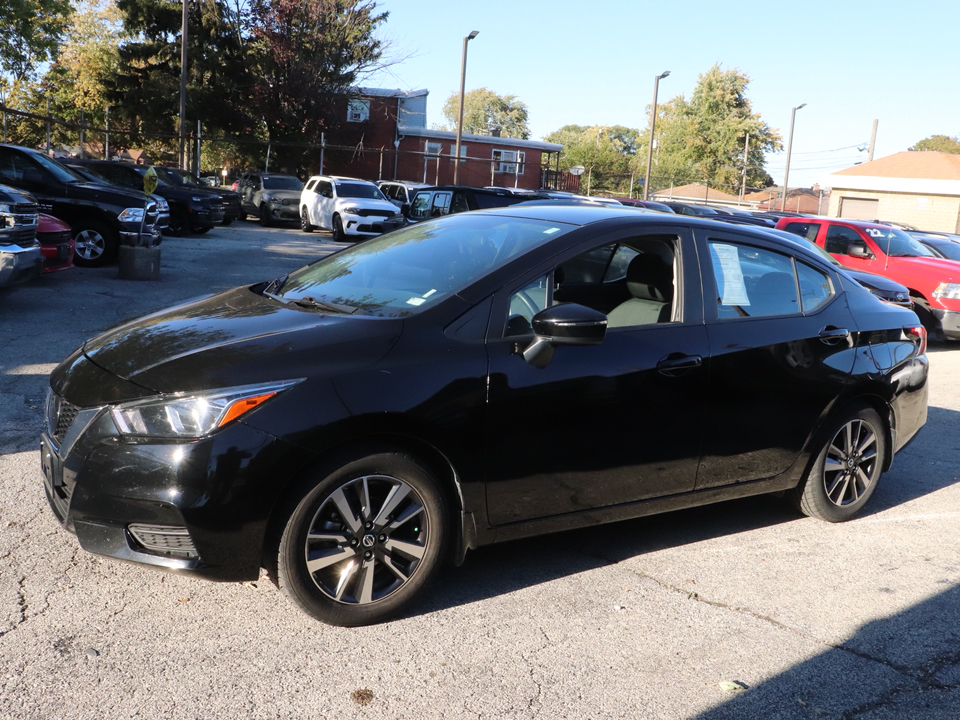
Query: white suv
[346, 206]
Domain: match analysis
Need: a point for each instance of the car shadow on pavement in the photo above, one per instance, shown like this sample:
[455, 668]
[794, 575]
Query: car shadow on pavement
[903, 666]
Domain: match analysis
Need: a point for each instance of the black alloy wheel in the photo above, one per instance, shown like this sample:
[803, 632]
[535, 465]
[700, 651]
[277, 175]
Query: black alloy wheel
[305, 220]
[364, 541]
[847, 468]
[96, 243]
[338, 234]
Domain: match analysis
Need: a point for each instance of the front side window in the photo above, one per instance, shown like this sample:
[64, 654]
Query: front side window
[753, 282]
[839, 240]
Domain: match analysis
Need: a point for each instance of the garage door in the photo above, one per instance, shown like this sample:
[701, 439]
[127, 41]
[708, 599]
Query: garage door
[859, 209]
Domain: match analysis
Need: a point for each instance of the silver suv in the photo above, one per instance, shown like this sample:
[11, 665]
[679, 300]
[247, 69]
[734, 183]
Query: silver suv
[347, 207]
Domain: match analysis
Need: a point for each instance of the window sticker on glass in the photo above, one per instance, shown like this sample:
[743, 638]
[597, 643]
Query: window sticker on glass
[876, 232]
[416, 301]
[551, 231]
[734, 290]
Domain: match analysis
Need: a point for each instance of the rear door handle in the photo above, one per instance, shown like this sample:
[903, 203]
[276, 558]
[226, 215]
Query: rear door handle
[676, 363]
[833, 335]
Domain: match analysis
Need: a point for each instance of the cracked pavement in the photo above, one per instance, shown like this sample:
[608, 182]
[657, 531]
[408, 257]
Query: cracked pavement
[643, 619]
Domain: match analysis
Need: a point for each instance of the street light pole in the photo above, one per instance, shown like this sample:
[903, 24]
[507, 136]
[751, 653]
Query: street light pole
[183, 86]
[786, 174]
[653, 127]
[463, 84]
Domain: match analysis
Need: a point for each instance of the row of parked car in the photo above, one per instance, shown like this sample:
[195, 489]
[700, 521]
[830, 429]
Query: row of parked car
[86, 209]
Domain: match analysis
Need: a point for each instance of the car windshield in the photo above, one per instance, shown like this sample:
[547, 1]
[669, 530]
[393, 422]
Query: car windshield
[407, 271]
[281, 182]
[897, 243]
[59, 170]
[359, 190]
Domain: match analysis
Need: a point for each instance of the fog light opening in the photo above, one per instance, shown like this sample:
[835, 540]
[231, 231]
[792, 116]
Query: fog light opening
[172, 540]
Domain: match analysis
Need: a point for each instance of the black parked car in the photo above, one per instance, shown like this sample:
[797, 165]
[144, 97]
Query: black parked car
[231, 199]
[191, 209]
[21, 257]
[488, 376]
[89, 173]
[101, 216]
[435, 202]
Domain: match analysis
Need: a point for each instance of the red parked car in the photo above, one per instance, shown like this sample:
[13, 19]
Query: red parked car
[934, 283]
[56, 243]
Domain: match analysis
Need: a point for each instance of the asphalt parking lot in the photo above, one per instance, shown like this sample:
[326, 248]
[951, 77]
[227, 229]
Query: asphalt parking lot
[737, 610]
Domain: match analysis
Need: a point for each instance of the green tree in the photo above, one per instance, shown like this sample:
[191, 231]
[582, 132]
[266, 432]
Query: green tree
[605, 152]
[938, 143]
[306, 56]
[702, 140]
[31, 36]
[484, 110]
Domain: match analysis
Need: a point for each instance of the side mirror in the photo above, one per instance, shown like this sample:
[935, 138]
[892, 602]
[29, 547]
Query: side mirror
[564, 324]
[854, 250]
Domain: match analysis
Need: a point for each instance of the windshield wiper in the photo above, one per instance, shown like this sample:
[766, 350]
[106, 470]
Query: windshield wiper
[314, 304]
[276, 285]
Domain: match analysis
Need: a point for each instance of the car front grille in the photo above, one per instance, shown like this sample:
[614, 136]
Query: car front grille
[376, 213]
[59, 416]
[54, 238]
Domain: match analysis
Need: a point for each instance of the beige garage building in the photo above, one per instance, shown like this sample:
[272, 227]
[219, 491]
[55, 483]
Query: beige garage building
[921, 189]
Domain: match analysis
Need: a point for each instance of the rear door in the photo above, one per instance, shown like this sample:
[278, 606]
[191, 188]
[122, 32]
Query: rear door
[781, 351]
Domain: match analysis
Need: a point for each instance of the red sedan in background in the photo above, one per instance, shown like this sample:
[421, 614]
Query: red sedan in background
[56, 243]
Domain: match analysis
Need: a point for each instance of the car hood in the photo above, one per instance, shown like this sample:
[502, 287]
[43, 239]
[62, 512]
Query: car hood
[283, 194]
[368, 204]
[237, 337]
[108, 193]
[876, 281]
[949, 268]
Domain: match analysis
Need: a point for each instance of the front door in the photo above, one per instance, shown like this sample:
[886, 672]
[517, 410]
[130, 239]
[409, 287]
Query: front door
[607, 424]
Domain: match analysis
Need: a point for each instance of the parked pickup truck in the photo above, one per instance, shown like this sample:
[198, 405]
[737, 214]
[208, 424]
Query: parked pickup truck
[101, 216]
[21, 257]
[933, 282]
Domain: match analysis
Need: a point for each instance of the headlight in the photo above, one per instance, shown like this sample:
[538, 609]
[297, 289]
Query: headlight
[4, 208]
[947, 291]
[131, 215]
[351, 210]
[163, 205]
[192, 415]
[200, 199]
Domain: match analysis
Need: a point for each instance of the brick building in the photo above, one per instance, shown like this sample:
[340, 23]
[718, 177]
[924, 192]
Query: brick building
[921, 189]
[395, 144]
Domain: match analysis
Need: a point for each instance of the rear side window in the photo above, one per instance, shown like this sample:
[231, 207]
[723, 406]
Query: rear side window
[805, 230]
[815, 288]
[753, 282]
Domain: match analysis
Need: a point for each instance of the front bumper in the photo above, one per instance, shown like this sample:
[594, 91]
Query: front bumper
[370, 225]
[208, 501]
[284, 213]
[19, 264]
[949, 323]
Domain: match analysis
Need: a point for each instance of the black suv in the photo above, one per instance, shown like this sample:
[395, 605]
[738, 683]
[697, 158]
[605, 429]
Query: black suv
[437, 201]
[191, 209]
[20, 254]
[231, 199]
[101, 216]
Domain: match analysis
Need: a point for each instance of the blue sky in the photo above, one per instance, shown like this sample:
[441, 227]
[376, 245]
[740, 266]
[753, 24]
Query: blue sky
[593, 62]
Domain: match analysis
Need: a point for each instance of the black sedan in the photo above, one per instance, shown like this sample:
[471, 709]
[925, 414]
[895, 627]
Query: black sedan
[488, 376]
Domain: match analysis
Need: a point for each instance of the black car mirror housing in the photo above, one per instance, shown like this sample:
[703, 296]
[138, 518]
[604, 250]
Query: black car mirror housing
[564, 324]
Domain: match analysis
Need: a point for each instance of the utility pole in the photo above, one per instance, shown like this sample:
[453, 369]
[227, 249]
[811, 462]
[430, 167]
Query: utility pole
[183, 85]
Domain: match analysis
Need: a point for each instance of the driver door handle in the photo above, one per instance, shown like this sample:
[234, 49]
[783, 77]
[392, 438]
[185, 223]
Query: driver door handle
[677, 363]
[832, 335]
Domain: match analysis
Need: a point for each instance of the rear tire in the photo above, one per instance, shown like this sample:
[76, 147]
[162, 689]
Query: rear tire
[364, 540]
[847, 468]
[96, 243]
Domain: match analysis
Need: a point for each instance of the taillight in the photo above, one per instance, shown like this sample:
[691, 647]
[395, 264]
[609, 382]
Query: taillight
[917, 333]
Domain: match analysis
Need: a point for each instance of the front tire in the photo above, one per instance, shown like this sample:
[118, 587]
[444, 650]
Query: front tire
[338, 234]
[305, 220]
[847, 468]
[364, 541]
[96, 243]
[264, 215]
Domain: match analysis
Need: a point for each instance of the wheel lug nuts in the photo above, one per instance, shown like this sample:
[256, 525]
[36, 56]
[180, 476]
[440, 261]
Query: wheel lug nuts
[367, 555]
[368, 525]
[383, 538]
[353, 543]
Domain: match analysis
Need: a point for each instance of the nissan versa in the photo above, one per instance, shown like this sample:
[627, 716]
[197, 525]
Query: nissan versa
[488, 376]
